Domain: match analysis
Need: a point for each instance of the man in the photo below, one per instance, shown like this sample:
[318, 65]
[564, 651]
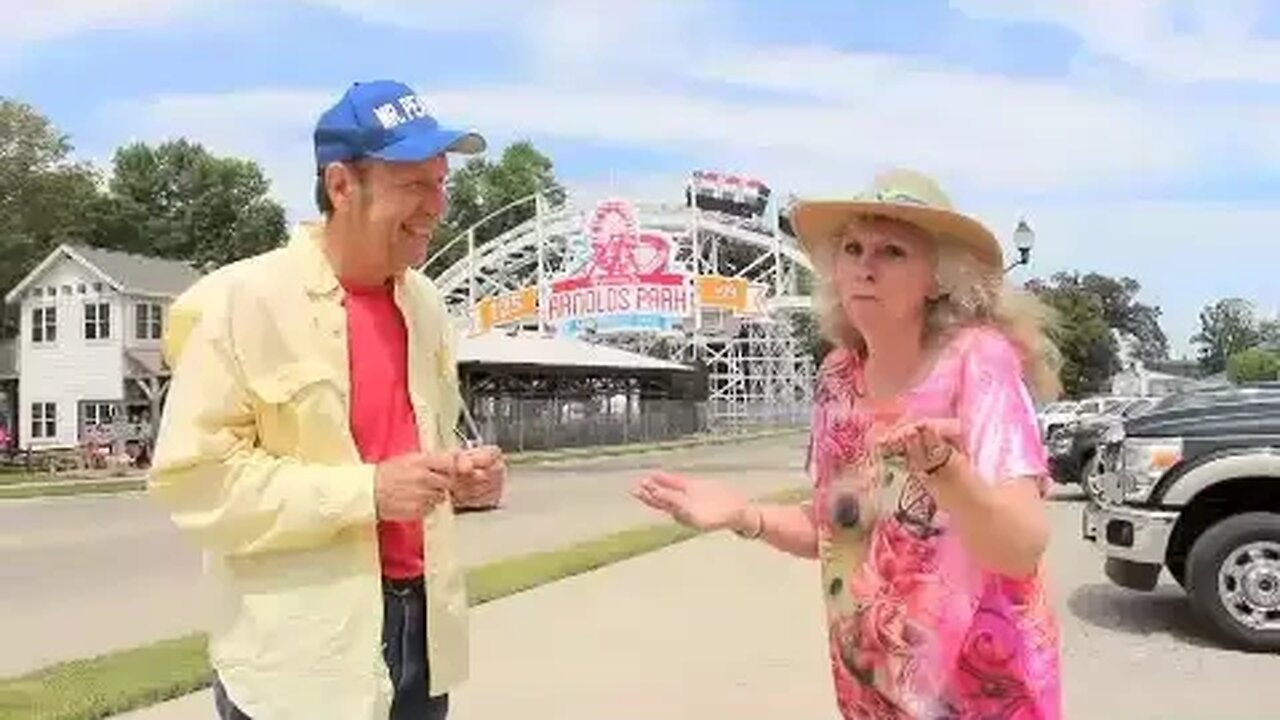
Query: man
[307, 442]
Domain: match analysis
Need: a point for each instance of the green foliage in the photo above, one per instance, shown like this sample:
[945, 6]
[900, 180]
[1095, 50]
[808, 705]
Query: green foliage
[1254, 365]
[1121, 310]
[1082, 334]
[807, 331]
[484, 190]
[177, 200]
[1227, 327]
[173, 200]
[45, 198]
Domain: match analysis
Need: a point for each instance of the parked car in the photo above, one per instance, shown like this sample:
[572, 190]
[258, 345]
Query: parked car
[1194, 487]
[1055, 415]
[1073, 448]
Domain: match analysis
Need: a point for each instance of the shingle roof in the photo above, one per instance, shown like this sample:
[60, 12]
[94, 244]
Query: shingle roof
[144, 362]
[139, 273]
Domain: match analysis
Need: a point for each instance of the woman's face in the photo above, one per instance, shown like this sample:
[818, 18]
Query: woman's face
[884, 274]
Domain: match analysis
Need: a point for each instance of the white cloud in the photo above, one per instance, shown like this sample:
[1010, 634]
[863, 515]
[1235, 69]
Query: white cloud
[27, 22]
[807, 119]
[819, 121]
[1179, 41]
[571, 42]
[1165, 245]
[982, 130]
[1185, 254]
[433, 15]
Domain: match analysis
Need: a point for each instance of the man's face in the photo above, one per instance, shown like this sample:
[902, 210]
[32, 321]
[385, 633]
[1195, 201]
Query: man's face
[393, 209]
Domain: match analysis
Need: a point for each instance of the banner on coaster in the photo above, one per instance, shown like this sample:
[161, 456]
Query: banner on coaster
[513, 307]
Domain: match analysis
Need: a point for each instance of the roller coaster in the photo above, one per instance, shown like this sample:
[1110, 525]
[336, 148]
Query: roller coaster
[712, 288]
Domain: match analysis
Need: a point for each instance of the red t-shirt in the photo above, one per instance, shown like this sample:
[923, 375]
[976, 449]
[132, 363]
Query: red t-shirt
[382, 419]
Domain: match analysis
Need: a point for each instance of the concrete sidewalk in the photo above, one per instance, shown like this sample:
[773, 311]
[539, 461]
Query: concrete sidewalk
[711, 628]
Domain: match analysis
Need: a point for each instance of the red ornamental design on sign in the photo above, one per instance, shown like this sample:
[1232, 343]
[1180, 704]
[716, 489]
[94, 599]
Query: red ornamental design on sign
[626, 271]
[621, 254]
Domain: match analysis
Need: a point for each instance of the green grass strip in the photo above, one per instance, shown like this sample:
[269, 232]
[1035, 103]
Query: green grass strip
[118, 682]
[21, 491]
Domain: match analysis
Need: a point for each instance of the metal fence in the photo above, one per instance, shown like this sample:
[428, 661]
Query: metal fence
[520, 424]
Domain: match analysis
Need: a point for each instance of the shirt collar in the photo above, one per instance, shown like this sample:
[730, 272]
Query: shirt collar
[318, 275]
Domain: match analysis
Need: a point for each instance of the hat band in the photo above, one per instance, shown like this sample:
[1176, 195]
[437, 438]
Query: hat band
[899, 196]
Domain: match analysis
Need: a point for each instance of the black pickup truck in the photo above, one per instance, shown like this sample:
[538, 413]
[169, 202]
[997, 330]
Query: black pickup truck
[1193, 485]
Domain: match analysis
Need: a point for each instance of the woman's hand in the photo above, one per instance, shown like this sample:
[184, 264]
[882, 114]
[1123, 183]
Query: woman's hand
[701, 504]
[1002, 521]
[926, 445]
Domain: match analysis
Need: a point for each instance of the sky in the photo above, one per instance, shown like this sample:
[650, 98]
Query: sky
[1137, 137]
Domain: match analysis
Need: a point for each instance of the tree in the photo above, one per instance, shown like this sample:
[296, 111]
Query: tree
[1082, 334]
[1269, 333]
[45, 198]
[1122, 311]
[1226, 328]
[1253, 365]
[805, 328]
[481, 188]
[179, 201]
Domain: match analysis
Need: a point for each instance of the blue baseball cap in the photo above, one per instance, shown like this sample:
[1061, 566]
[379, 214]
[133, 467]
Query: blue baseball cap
[386, 120]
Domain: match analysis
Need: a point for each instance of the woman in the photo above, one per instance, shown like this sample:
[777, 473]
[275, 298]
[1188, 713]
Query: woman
[927, 513]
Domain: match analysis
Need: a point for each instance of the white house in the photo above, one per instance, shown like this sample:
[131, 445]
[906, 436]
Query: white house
[88, 355]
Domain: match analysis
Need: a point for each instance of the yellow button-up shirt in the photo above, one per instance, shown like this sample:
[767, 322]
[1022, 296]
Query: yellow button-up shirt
[256, 461]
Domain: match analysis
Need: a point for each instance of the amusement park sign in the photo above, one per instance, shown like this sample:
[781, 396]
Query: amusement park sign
[623, 279]
[625, 276]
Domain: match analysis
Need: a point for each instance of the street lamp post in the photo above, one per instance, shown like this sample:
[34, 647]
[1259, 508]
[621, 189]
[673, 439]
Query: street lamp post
[1024, 238]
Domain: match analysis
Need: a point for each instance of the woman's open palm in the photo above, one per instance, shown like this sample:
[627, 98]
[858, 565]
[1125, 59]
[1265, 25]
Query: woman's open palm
[702, 504]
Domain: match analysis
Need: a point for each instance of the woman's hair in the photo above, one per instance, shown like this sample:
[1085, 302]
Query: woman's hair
[970, 295]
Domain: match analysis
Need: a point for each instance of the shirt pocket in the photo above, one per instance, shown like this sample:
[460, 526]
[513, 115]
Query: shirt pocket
[301, 411]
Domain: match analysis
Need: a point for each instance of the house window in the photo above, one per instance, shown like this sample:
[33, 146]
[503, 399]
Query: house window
[97, 413]
[97, 321]
[148, 321]
[44, 420]
[44, 324]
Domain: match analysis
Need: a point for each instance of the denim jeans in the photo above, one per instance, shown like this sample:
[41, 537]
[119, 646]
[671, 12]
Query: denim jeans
[404, 647]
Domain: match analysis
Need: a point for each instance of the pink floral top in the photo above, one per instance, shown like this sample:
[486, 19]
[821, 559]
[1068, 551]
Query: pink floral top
[918, 629]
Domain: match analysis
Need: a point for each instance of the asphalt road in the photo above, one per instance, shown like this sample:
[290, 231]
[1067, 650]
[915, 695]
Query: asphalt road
[84, 576]
[711, 628]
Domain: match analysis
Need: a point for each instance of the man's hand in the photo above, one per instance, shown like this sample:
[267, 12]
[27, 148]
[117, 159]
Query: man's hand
[409, 486]
[481, 477]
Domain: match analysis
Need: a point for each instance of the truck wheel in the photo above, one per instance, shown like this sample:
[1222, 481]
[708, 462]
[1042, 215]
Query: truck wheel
[1178, 569]
[1234, 579]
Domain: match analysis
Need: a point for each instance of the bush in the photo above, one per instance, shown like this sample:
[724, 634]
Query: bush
[1253, 365]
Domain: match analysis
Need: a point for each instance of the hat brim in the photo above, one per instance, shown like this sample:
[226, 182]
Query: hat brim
[419, 147]
[819, 222]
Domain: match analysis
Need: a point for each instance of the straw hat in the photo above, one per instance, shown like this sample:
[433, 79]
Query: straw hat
[903, 195]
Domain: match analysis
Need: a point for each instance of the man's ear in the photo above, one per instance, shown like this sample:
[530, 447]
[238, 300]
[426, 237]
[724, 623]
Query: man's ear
[342, 184]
